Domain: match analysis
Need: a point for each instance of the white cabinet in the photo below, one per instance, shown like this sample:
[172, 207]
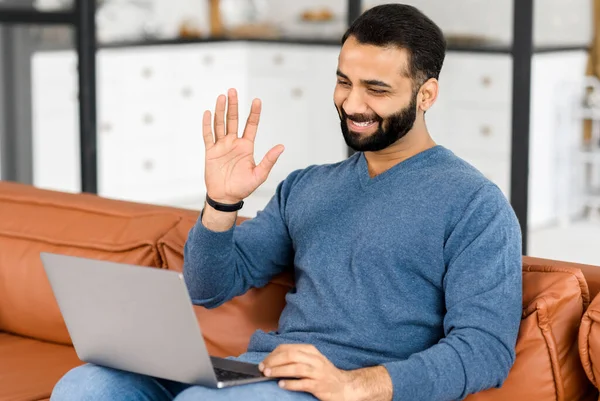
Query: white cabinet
[150, 106]
[150, 119]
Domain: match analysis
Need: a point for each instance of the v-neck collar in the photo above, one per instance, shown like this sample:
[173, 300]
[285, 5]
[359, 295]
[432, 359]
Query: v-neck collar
[363, 169]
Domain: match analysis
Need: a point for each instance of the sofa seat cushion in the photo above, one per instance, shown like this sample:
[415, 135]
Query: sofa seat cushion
[547, 366]
[34, 221]
[227, 328]
[29, 369]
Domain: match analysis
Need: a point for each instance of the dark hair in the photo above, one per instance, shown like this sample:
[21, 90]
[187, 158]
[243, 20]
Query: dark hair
[404, 27]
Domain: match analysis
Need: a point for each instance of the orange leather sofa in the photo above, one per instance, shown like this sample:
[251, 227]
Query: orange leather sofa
[557, 349]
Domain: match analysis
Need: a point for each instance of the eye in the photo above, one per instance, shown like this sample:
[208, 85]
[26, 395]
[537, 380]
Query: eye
[378, 91]
[343, 83]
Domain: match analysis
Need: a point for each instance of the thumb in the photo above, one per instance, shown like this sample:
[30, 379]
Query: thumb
[261, 172]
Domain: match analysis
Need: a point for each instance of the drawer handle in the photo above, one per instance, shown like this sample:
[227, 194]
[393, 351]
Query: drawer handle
[187, 92]
[147, 72]
[208, 60]
[486, 131]
[148, 119]
[278, 59]
[148, 165]
[486, 81]
[105, 127]
[297, 93]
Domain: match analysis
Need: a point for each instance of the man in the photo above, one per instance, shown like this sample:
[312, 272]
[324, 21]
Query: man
[407, 260]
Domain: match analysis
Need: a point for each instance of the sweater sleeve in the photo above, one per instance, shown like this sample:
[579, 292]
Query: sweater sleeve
[483, 297]
[219, 266]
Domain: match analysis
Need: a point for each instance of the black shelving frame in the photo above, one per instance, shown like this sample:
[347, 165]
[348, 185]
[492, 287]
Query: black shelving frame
[522, 53]
[85, 12]
[82, 19]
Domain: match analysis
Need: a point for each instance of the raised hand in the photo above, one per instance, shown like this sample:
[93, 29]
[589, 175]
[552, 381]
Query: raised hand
[231, 173]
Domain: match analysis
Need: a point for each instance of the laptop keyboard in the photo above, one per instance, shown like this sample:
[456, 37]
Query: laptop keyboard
[228, 375]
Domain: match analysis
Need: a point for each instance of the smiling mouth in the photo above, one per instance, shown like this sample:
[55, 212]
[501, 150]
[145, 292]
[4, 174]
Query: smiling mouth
[361, 126]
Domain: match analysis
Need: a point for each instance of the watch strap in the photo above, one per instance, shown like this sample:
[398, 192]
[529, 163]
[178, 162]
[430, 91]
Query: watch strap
[224, 207]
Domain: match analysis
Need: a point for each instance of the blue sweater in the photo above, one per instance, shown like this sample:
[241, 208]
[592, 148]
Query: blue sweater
[417, 269]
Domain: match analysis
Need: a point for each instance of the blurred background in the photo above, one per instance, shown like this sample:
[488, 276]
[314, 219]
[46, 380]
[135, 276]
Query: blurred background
[520, 98]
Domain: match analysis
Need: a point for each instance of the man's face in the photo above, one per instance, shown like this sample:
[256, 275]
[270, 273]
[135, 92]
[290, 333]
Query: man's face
[374, 96]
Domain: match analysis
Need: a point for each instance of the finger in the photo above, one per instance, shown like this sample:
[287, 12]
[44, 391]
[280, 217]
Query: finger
[232, 112]
[294, 370]
[266, 165]
[280, 349]
[220, 117]
[308, 348]
[207, 133]
[253, 120]
[290, 356]
[304, 385]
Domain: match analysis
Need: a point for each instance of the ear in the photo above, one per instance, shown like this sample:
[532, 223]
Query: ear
[428, 94]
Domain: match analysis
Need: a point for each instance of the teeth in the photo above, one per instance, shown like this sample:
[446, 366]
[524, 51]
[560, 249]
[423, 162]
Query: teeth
[365, 124]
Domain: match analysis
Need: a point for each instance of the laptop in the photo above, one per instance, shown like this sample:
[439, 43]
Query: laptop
[138, 319]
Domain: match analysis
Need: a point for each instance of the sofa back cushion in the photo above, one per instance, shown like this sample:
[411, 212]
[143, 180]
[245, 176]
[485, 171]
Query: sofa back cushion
[34, 221]
[227, 328]
[547, 366]
[590, 272]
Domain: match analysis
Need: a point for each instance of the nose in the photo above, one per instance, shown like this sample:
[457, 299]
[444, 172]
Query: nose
[354, 103]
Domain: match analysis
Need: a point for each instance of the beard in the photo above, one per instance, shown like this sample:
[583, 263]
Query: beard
[389, 129]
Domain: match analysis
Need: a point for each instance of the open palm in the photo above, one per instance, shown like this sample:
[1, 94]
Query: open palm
[231, 173]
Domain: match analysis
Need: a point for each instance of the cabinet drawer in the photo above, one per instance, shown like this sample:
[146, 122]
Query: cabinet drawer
[140, 69]
[201, 61]
[140, 121]
[123, 163]
[265, 59]
[189, 165]
[485, 132]
[476, 79]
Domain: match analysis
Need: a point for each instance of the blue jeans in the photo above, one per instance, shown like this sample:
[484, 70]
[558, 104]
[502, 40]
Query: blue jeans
[96, 383]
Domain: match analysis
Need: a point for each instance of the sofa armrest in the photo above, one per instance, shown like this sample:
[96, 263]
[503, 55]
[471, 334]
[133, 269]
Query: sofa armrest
[589, 341]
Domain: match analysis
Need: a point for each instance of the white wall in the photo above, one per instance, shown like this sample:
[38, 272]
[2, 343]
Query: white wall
[492, 19]
[557, 22]
[563, 22]
[120, 20]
